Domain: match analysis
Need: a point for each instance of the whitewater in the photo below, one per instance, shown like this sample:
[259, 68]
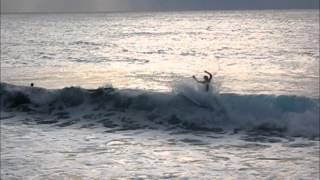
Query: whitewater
[114, 98]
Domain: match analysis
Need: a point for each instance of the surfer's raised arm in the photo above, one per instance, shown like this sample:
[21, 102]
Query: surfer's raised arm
[194, 77]
[209, 75]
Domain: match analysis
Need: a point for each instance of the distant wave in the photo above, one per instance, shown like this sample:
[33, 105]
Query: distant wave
[187, 106]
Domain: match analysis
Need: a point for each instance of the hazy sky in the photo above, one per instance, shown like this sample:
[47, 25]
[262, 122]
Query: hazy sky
[147, 5]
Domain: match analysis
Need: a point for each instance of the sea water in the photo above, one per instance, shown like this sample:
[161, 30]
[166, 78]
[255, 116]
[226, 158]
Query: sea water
[114, 97]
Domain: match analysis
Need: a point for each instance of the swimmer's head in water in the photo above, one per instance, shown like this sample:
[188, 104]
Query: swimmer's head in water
[206, 78]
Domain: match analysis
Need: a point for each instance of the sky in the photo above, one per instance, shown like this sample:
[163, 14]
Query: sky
[149, 5]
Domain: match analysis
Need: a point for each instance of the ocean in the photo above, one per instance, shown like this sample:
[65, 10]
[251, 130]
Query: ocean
[114, 97]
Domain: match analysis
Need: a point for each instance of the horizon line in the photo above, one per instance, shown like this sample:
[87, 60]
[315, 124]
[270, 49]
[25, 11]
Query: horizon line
[148, 11]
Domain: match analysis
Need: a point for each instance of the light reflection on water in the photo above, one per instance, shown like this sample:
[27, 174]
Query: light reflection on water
[270, 52]
[47, 152]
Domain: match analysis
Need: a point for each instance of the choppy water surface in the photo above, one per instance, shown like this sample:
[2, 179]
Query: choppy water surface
[274, 52]
[75, 133]
[51, 152]
[259, 121]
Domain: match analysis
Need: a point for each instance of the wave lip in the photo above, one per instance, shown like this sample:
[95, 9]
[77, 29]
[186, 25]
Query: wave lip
[187, 106]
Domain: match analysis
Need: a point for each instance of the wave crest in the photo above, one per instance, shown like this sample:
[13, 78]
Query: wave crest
[187, 106]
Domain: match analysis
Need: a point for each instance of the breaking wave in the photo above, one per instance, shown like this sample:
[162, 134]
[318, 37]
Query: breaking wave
[187, 106]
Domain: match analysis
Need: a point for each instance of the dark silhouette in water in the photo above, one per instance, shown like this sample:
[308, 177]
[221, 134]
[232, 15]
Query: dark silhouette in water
[206, 80]
[31, 84]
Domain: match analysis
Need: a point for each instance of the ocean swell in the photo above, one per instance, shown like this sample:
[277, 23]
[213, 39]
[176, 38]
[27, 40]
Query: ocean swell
[185, 107]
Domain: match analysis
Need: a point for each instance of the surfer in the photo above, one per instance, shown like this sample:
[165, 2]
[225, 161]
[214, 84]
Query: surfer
[206, 80]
